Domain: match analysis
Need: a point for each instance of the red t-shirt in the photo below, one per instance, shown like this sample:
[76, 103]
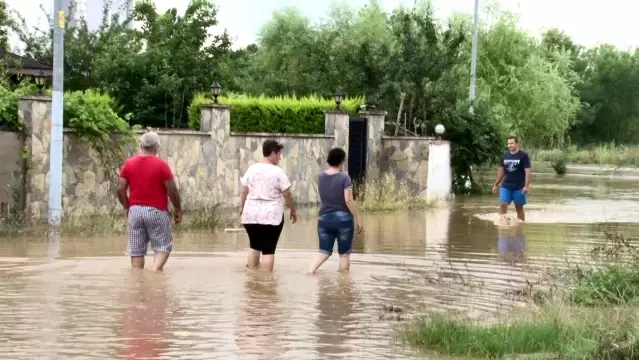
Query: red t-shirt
[146, 176]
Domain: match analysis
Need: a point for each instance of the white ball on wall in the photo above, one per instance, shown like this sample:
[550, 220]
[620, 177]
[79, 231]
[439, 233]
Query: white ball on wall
[439, 129]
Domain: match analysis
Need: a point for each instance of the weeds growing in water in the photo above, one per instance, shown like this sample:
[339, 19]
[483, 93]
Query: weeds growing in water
[606, 154]
[591, 314]
[387, 194]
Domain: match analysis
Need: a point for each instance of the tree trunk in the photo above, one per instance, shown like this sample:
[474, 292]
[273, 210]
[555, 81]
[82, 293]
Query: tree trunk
[399, 113]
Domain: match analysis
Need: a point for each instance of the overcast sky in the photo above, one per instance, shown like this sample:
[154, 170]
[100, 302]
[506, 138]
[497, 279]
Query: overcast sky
[588, 21]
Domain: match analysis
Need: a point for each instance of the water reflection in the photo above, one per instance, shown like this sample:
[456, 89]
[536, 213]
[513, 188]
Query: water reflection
[89, 304]
[54, 238]
[436, 228]
[511, 243]
[144, 318]
[336, 301]
[258, 330]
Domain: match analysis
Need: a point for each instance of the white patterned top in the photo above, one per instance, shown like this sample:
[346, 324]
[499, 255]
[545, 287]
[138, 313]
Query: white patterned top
[264, 203]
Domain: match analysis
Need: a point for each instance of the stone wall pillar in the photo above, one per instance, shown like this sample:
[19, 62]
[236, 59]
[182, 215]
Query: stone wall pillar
[35, 113]
[374, 148]
[336, 124]
[439, 183]
[224, 165]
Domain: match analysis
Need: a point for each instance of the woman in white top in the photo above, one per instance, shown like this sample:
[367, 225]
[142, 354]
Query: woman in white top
[265, 187]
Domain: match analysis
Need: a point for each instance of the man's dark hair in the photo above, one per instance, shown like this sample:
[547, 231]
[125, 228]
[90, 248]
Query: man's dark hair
[514, 138]
[271, 146]
[336, 157]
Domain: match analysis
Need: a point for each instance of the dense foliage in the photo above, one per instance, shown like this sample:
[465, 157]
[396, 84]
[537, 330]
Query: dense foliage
[152, 72]
[274, 114]
[9, 95]
[93, 115]
[549, 93]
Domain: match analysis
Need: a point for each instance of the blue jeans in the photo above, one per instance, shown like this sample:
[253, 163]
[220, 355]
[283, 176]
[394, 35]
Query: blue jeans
[336, 225]
[506, 196]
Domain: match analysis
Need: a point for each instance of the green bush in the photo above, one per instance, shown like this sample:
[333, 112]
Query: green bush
[274, 114]
[9, 96]
[560, 167]
[476, 141]
[611, 285]
[93, 115]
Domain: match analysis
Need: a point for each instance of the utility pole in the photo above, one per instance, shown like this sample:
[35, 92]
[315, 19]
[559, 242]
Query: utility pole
[55, 151]
[473, 59]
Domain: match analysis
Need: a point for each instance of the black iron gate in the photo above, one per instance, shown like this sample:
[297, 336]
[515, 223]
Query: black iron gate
[357, 137]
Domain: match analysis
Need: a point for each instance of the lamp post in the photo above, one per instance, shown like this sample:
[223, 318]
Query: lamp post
[339, 97]
[40, 79]
[439, 130]
[215, 90]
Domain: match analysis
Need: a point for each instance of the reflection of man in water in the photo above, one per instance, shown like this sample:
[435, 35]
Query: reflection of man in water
[149, 181]
[512, 243]
[143, 320]
[515, 171]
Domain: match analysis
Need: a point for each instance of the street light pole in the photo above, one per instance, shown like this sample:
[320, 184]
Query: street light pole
[55, 151]
[473, 59]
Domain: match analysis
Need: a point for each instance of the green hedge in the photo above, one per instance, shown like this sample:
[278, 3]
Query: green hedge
[274, 114]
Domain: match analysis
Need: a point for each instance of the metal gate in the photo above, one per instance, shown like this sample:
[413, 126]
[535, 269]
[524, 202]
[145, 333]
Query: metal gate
[357, 137]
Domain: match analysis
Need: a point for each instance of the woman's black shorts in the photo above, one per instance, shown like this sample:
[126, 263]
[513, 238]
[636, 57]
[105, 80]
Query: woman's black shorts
[263, 237]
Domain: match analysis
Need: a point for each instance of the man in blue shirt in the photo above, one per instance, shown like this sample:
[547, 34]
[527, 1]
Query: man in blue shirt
[515, 171]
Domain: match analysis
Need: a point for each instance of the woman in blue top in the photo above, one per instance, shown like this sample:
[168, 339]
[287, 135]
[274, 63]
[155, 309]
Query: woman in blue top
[338, 218]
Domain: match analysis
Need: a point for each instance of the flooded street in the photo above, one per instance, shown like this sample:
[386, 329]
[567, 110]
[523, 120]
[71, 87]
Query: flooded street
[88, 304]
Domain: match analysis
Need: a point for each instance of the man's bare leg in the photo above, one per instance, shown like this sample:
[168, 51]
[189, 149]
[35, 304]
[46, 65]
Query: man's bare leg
[503, 208]
[268, 261]
[137, 262]
[344, 262]
[159, 260]
[520, 212]
[319, 260]
[253, 260]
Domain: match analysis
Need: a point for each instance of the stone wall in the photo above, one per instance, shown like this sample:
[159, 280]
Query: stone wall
[11, 167]
[207, 164]
[406, 158]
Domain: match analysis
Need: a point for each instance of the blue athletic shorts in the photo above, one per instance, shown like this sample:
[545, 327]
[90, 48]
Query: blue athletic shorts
[506, 196]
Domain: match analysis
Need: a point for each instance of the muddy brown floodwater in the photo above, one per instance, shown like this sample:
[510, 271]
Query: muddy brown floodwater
[88, 304]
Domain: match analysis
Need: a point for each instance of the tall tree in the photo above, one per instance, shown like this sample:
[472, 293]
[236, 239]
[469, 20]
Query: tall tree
[152, 72]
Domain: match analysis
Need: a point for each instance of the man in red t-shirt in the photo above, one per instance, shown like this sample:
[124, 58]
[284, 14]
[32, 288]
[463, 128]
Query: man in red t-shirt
[149, 181]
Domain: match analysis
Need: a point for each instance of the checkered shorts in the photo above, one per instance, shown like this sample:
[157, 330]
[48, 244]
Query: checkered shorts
[149, 224]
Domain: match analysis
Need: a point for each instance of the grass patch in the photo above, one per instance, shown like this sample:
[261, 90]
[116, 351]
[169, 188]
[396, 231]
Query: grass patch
[551, 332]
[387, 194]
[592, 312]
[606, 154]
[610, 285]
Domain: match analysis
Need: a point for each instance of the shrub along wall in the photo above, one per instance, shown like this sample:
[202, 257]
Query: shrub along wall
[274, 114]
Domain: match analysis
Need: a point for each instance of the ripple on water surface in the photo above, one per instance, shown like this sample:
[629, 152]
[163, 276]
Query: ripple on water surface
[210, 307]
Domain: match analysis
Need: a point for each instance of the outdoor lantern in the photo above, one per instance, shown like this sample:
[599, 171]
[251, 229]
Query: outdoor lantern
[215, 90]
[439, 129]
[40, 79]
[339, 97]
